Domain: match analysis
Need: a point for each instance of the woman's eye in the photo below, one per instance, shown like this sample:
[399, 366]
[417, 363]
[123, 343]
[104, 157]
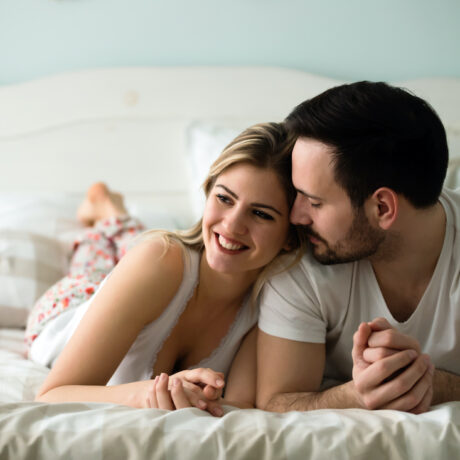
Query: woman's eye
[223, 198]
[315, 205]
[262, 214]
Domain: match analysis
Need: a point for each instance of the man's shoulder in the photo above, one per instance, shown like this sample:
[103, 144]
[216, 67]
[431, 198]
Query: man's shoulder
[308, 271]
[450, 199]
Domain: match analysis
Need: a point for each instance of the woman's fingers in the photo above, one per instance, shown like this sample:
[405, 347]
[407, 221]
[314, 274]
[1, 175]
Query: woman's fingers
[197, 398]
[173, 393]
[152, 394]
[212, 393]
[203, 376]
[162, 393]
[178, 396]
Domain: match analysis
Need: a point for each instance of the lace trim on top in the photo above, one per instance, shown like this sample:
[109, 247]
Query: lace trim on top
[190, 259]
[227, 336]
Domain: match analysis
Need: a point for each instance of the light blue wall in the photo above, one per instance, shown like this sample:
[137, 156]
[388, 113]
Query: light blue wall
[348, 39]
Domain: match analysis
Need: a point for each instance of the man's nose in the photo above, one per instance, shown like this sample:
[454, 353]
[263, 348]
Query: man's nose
[299, 214]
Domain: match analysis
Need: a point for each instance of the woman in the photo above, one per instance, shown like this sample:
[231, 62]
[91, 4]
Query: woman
[176, 300]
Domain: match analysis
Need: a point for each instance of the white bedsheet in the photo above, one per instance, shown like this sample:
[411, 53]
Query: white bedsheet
[79, 430]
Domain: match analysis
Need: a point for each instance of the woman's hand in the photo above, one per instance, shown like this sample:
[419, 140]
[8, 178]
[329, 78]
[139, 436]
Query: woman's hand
[199, 388]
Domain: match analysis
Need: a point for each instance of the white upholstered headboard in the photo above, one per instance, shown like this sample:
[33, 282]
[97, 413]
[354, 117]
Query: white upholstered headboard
[129, 126]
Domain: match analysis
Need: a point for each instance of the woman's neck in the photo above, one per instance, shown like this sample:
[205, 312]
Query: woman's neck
[223, 289]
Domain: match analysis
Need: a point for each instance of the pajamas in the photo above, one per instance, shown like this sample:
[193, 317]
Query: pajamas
[94, 255]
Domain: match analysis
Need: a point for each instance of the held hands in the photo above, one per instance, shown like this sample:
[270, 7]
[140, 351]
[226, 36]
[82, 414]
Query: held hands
[389, 371]
[199, 388]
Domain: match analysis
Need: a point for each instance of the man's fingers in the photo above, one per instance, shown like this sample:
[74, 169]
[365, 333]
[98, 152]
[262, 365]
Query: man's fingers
[360, 339]
[377, 372]
[371, 355]
[383, 394]
[427, 399]
[379, 324]
[162, 393]
[417, 399]
[391, 338]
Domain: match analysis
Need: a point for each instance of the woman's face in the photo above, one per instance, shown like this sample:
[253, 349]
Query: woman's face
[246, 219]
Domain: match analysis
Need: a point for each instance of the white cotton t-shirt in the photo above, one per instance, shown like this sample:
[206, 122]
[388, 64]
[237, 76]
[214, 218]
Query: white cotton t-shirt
[326, 303]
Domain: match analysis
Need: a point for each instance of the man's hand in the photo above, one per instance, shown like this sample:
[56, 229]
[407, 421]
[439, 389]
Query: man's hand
[388, 370]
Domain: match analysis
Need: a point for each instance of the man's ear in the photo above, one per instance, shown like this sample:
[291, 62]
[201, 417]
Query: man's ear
[384, 206]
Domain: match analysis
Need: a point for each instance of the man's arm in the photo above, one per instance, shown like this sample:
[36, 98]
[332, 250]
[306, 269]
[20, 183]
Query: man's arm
[290, 374]
[446, 387]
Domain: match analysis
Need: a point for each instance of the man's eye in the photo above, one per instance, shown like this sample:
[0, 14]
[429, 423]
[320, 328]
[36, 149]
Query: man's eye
[262, 214]
[315, 205]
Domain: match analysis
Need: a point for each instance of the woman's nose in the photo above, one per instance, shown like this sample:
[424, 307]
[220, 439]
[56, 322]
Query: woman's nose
[235, 223]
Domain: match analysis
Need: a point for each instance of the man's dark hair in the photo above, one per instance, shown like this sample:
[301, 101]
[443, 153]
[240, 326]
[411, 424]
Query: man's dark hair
[380, 136]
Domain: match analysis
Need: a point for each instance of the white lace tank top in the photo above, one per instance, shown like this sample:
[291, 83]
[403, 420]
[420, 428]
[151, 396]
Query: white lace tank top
[141, 357]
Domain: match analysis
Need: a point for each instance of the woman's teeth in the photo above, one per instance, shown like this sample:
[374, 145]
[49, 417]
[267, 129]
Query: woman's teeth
[227, 245]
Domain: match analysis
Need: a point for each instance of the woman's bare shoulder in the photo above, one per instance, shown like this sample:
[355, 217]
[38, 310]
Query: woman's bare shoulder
[152, 271]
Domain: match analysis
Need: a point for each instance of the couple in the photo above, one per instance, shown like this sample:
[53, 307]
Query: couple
[368, 317]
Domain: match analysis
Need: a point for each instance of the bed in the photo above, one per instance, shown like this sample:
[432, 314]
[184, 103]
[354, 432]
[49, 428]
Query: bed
[151, 134]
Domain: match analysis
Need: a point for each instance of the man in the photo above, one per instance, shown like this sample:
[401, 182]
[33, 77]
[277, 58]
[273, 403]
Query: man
[370, 318]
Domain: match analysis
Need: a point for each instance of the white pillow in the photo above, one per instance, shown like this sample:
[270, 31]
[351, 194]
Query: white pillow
[205, 142]
[29, 264]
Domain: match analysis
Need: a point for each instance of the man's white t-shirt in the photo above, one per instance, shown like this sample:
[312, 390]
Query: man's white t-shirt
[326, 303]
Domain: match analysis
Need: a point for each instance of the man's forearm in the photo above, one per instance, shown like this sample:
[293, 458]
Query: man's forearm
[446, 387]
[339, 397]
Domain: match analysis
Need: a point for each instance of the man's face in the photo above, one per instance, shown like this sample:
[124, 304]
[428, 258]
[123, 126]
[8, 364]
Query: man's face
[337, 232]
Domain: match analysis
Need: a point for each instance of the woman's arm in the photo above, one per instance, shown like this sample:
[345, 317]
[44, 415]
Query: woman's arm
[138, 290]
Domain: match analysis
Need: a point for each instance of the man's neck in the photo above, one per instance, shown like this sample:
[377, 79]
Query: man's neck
[405, 263]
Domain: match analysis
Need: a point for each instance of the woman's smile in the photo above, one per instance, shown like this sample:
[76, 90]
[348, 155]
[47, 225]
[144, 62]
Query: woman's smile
[228, 245]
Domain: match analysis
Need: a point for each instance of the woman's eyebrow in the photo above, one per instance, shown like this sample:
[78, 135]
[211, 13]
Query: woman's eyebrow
[258, 205]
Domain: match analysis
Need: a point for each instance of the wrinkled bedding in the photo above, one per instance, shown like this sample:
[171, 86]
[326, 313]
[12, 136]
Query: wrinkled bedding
[78, 430]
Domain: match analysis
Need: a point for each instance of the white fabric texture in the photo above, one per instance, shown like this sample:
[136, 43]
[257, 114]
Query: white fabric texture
[318, 303]
[29, 264]
[97, 431]
[140, 359]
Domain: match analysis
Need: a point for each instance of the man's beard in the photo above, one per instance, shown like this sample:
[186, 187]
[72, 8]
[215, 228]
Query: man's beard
[361, 241]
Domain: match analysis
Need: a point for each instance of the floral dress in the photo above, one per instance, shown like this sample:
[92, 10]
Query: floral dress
[94, 255]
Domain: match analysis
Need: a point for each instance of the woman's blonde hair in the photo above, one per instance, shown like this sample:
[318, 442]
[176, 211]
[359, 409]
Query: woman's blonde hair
[265, 146]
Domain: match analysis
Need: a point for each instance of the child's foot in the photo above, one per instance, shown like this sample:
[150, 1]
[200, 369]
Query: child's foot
[100, 203]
